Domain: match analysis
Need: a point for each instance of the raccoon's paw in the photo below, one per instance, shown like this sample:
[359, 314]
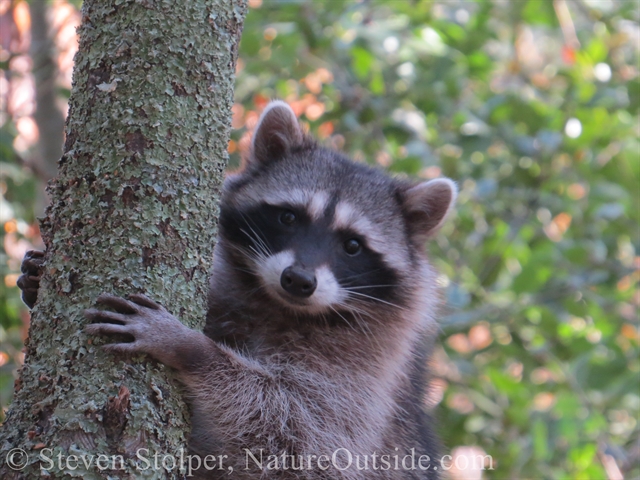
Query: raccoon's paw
[29, 281]
[154, 330]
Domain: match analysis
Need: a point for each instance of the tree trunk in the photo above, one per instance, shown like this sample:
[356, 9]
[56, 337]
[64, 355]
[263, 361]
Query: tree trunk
[134, 209]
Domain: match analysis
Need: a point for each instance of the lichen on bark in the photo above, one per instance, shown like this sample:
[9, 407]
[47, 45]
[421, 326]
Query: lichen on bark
[133, 209]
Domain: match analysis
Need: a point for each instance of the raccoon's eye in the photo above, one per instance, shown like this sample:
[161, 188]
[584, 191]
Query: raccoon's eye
[287, 217]
[352, 246]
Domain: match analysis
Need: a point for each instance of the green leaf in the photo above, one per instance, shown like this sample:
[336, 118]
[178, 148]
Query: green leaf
[362, 62]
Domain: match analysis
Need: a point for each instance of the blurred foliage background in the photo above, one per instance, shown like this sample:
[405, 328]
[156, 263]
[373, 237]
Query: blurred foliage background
[531, 106]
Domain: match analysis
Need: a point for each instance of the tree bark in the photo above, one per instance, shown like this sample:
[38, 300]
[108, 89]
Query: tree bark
[133, 209]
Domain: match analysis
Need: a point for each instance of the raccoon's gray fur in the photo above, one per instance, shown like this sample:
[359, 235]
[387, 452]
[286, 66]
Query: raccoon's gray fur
[321, 316]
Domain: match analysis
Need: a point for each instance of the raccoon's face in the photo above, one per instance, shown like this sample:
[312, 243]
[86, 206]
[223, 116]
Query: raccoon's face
[321, 233]
[310, 256]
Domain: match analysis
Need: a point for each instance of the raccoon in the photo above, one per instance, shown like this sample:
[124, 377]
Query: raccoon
[313, 360]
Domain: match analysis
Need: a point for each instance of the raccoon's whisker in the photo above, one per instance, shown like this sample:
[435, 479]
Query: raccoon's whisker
[257, 242]
[259, 239]
[250, 254]
[351, 277]
[352, 308]
[360, 312]
[242, 250]
[342, 317]
[366, 329]
[258, 253]
[248, 219]
[351, 292]
[362, 323]
[244, 270]
[367, 286]
[365, 303]
[324, 318]
[254, 236]
[252, 292]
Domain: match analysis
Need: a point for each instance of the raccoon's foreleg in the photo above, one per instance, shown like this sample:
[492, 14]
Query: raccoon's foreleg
[214, 375]
[29, 281]
[235, 399]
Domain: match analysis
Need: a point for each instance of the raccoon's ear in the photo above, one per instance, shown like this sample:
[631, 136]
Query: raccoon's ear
[427, 205]
[277, 131]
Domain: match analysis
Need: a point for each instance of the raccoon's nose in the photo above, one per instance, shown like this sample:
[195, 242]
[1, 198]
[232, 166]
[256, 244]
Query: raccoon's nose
[298, 282]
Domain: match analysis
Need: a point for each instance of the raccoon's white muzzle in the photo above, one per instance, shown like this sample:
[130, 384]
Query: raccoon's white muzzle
[327, 291]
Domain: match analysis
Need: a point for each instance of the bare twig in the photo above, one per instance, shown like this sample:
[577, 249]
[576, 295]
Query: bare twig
[566, 24]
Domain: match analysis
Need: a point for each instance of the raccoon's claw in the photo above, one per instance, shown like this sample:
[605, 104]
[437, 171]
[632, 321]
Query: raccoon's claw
[107, 328]
[123, 348]
[29, 281]
[144, 301]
